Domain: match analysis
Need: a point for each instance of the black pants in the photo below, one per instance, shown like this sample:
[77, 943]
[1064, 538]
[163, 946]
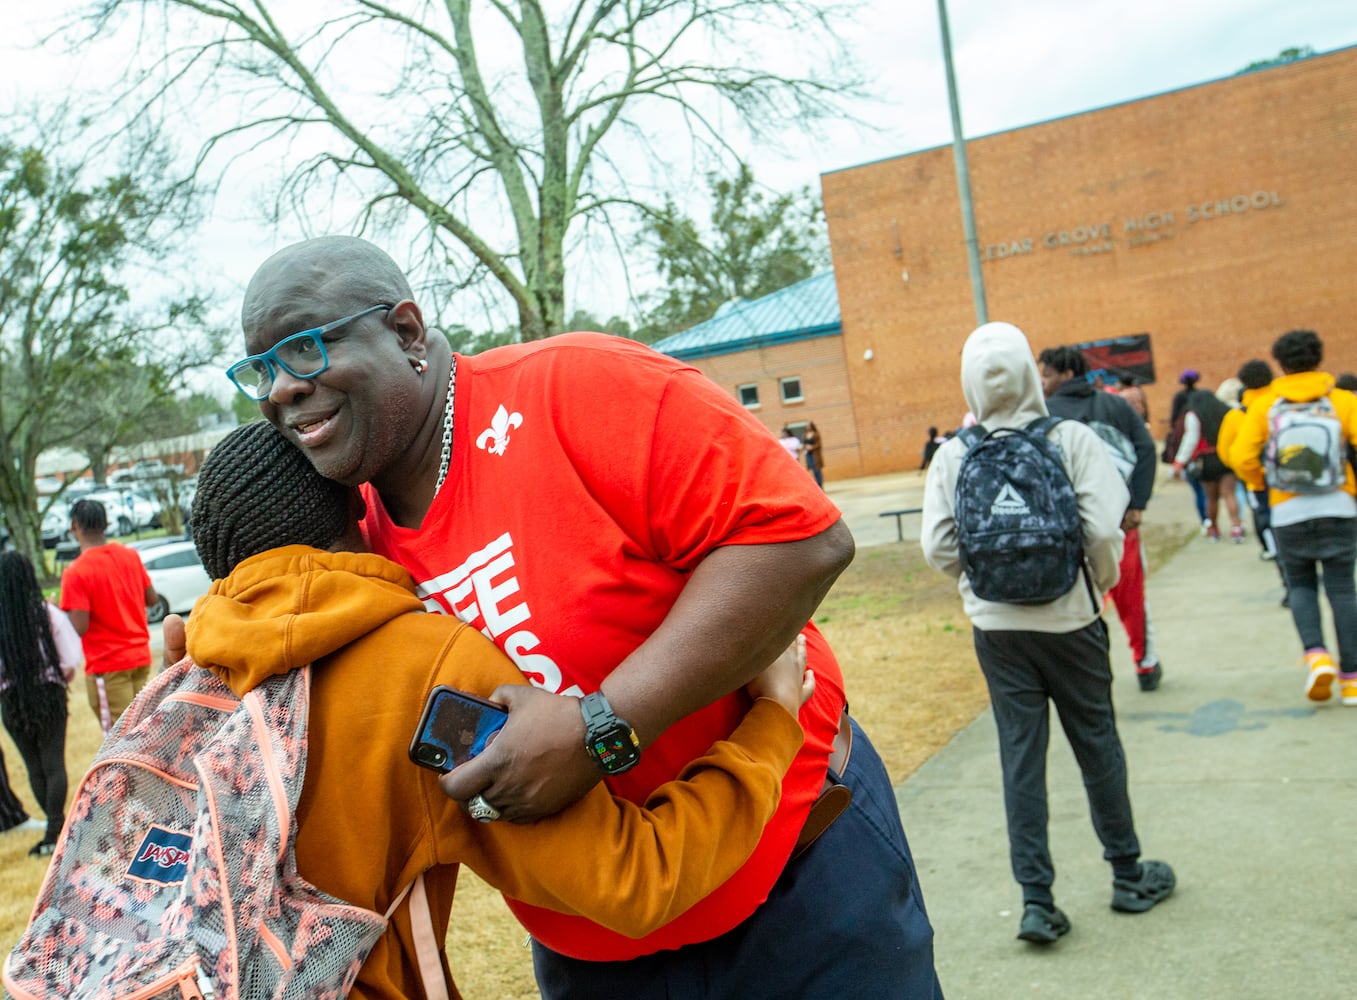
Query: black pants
[12, 811]
[1025, 670]
[44, 755]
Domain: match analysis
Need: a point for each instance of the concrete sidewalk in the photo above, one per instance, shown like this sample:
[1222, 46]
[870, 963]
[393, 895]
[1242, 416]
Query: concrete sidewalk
[1246, 788]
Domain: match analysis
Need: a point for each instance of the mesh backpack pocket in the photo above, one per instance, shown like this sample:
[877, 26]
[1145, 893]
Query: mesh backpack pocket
[176, 874]
[1017, 516]
[1306, 451]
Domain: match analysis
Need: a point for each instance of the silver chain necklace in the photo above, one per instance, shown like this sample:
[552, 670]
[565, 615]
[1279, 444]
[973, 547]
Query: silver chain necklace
[446, 457]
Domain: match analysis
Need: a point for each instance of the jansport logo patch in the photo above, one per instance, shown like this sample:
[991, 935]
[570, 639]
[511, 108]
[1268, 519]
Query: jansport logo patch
[1009, 502]
[162, 857]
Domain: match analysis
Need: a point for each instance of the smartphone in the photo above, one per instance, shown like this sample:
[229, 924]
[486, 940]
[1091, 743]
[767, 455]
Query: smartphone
[455, 727]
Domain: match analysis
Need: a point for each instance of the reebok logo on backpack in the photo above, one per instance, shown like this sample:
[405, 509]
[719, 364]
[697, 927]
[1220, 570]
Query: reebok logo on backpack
[176, 875]
[1017, 516]
[1306, 451]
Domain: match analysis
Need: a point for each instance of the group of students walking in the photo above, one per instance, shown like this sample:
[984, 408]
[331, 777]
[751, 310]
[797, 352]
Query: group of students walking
[1289, 439]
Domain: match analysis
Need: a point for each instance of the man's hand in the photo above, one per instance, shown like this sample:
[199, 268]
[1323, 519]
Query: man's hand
[172, 634]
[537, 765]
[1130, 521]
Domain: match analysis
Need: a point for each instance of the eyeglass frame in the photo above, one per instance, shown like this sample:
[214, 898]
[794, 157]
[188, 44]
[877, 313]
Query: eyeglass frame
[272, 362]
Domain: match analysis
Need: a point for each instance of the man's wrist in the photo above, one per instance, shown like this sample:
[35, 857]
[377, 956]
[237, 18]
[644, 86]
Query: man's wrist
[610, 741]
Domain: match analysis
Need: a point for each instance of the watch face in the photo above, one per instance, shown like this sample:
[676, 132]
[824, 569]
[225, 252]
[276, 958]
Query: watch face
[616, 752]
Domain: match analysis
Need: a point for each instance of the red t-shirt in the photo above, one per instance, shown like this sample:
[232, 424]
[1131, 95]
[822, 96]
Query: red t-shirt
[109, 581]
[589, 476]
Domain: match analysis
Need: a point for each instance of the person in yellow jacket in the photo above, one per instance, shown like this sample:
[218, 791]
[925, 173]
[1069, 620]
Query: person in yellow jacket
[292, 587]
[1315, 522]
[1256, 377]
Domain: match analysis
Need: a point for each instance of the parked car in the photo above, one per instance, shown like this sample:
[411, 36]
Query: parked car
[56, 525]
[177, 574]
[127, 510]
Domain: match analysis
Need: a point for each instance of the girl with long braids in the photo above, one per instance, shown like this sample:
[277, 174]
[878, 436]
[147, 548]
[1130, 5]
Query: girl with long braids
[39, 652]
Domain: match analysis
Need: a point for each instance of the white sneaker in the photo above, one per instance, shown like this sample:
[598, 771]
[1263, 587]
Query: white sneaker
[28, 824]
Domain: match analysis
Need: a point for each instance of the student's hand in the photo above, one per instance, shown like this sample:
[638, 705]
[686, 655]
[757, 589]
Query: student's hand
[172, 633]
[1131, 520]
[786, 681]
[537, 765]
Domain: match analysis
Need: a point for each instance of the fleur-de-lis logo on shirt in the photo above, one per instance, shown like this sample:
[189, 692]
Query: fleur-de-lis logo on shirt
[495, 438]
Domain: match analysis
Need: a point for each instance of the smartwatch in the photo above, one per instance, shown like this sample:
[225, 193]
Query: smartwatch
[610, 741]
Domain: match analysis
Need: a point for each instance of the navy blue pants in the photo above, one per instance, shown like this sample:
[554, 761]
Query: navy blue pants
[846, 920]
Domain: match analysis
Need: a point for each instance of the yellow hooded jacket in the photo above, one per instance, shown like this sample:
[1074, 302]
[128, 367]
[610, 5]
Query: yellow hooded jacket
[1246, 452]
[370, 821]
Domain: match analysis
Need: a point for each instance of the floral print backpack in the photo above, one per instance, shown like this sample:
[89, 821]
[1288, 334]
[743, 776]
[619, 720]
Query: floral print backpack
[175, 875]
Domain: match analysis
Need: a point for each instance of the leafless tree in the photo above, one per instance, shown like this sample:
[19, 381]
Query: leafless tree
[514, 129]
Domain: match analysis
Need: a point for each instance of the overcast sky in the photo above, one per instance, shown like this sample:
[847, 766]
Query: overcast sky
[1017, 62]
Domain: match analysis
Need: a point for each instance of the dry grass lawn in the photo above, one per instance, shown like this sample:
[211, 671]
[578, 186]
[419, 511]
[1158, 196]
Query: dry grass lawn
[912, 681]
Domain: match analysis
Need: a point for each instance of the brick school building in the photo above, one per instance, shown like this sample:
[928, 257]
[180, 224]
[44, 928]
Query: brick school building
[1212, 219]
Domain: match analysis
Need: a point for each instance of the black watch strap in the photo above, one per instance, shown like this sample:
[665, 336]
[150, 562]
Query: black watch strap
[610, 741]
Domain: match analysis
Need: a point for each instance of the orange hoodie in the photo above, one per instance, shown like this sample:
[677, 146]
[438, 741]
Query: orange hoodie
[370, 821]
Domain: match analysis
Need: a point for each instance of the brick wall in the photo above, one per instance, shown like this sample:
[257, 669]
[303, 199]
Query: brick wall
[1214, 218]
[819, 363]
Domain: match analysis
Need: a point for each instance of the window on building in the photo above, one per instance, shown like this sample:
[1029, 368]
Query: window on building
[791, 389]
[748, 395]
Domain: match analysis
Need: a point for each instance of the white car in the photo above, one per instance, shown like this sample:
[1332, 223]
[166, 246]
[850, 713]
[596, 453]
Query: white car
[127, 511]
[178, 576]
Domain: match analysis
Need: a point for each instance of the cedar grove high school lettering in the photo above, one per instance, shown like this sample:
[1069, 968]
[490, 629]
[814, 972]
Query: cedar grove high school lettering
[484, 592]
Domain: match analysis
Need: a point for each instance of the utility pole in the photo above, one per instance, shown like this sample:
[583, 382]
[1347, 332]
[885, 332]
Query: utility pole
[963, 175]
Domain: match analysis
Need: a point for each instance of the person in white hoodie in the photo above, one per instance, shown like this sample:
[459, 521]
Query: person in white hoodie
[1032, 654]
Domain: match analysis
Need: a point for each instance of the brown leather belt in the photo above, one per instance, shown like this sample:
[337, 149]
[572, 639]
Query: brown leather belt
[834, 795]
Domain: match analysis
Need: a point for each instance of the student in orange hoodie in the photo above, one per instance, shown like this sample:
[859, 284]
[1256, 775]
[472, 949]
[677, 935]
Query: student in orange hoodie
[293, 587]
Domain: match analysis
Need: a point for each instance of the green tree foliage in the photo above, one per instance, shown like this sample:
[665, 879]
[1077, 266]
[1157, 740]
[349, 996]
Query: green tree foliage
[81, 357]
[755, 244]
[1285, 56]
[510, 128]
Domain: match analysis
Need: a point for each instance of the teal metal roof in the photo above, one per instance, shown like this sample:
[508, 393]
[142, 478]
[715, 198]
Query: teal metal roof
[809, 308]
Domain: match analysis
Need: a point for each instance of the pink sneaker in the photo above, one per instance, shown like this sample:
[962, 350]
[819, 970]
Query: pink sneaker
[1237, 534]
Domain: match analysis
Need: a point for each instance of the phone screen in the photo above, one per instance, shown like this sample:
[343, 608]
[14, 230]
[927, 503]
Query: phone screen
[454, 728]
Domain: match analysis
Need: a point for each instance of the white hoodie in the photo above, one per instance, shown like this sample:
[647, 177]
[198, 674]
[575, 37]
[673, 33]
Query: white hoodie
[1002, 388]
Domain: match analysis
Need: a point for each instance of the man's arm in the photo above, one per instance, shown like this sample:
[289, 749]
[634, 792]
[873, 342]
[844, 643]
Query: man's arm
[80, 620]
[739, 610]
[151, 596]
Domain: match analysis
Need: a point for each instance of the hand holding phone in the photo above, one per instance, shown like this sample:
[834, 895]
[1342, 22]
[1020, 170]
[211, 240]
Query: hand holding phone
[454, 727]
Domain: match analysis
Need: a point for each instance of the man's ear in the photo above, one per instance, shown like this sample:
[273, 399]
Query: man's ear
[407, 321]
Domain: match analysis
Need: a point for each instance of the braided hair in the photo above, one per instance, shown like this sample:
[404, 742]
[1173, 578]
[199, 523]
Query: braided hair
[257, 491]
[32, 703]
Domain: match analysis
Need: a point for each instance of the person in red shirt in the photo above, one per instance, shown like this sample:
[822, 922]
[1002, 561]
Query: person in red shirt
[106, 592]
[640, 547]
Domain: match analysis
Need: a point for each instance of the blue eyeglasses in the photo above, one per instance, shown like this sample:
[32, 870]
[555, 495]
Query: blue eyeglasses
[301, 355]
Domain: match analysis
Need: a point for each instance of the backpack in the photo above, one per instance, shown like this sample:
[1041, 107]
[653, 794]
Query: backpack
[176, 875]
[1116, 442]
[1306, 450]
[1017, 516]
[1118, 446]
